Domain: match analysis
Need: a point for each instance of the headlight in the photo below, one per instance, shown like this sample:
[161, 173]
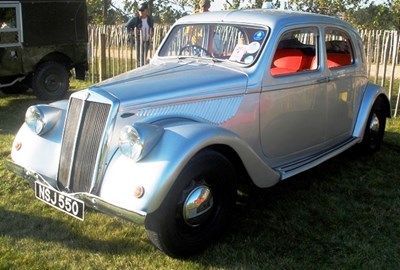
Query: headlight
[130, 143]
[137, 140]
[34, 118]
[41, 118]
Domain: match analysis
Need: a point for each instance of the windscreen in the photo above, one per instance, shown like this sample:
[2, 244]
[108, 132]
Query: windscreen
[225, 42]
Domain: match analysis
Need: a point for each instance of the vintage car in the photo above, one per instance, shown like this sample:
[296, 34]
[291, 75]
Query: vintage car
[260, 95]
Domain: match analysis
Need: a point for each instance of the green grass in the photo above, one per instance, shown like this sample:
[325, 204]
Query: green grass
[343, 214]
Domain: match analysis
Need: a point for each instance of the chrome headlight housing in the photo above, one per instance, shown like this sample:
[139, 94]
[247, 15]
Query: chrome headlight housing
[137, 140]
[41, 118]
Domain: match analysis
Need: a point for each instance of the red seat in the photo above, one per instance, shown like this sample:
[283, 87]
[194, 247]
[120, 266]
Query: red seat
[288, 61]
[338, 59]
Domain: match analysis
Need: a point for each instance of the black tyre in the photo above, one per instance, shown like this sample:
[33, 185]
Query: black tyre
[50, 81]
[375, 128]
[198, 207]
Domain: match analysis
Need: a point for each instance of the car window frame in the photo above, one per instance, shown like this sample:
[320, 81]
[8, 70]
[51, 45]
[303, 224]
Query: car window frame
[264, 41]
[316, 30]
[351, 47]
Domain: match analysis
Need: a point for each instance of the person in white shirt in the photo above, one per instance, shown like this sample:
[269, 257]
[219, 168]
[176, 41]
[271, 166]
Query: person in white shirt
[145, 28]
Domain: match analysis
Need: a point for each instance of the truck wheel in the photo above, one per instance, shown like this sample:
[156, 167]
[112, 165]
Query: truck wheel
[50, 81]
[197, 208]
[375, 128]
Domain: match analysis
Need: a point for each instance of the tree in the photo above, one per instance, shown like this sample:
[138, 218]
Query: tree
[162, 11]
[394, 6]
[103, 12]
[372, 17]
[327, 7]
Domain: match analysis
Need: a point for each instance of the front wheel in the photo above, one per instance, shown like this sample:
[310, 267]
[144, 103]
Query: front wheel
[197, 208]
[51, 81]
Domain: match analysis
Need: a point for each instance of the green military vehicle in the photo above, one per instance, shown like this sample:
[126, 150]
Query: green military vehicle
[41, 42]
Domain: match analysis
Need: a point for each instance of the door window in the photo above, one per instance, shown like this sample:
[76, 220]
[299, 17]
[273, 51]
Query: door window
[339, 51]
[296, 52]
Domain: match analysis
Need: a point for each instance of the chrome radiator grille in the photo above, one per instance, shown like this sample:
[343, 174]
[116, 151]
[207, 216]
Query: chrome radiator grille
[84, 128]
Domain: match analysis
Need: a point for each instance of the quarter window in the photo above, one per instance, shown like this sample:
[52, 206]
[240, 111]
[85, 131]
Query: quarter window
[296, 52]
[338, 49]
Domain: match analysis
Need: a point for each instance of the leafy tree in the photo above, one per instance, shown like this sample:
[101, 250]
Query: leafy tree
[394, 6]
[162, 11]
[327, 7]
[372, 17]
[362, 13]
[103, 12]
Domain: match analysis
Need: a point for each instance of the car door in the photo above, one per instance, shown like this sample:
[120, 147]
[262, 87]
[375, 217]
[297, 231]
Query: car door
[341, 90]
[293, 98]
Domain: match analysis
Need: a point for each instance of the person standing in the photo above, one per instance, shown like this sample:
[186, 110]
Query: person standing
[144, 26]
[204, 5]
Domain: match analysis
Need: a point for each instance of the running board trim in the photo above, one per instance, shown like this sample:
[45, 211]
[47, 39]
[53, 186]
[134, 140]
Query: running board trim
[298, 166]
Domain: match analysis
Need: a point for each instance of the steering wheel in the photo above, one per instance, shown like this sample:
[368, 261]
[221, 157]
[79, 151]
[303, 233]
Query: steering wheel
[194, 50]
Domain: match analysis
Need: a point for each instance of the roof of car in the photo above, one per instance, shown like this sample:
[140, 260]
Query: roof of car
[269, 17]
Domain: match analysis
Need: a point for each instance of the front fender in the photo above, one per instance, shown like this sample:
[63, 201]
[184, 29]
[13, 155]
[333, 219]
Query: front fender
[372, 92]
[40, 153]
[157, 172]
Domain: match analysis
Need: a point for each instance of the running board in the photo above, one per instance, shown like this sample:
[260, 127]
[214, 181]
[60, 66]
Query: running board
[298, 166]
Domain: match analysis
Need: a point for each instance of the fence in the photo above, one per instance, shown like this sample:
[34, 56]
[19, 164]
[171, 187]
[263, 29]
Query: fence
[113, 50]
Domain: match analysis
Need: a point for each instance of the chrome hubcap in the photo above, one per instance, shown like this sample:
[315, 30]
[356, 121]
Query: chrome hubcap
[197, 206]
[374, 125]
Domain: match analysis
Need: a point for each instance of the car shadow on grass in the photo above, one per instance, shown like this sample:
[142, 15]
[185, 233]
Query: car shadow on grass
[19, 225]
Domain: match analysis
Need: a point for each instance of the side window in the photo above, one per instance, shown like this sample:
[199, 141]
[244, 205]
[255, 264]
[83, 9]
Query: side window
[338, 49]
[296, 52]
[9, 33]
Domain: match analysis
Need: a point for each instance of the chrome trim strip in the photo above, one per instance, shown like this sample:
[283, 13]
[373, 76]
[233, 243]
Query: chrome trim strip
[296, 167]
[90, 200]
[216, 111]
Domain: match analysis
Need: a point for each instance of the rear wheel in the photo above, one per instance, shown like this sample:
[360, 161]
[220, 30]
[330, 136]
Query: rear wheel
[197, 208]
[375, 128]
[51, 81]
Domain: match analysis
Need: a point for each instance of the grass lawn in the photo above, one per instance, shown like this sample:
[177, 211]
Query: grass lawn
[343, 214]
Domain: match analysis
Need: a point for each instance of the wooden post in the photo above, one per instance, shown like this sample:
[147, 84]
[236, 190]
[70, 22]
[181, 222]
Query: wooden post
[377, 55]
[395, 50]
[385, 57]
[371, 38]
[102, 62]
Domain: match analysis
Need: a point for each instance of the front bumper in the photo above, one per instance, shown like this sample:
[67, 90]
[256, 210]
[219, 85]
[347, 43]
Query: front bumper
[90, 200]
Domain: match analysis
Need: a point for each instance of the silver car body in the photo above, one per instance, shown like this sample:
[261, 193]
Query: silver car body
[276, 126]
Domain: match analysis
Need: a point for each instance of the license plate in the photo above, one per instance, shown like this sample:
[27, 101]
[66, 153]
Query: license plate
[62, 202]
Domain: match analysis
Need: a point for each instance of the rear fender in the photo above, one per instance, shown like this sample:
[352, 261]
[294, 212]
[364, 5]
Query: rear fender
[372, 93]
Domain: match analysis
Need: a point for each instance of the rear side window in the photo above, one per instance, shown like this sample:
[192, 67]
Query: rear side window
[296, 52]
[339, 50]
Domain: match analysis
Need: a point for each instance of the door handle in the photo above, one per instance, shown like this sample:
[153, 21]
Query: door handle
[323, 80]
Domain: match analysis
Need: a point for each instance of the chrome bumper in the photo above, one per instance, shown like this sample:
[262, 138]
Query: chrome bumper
[90, 200]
